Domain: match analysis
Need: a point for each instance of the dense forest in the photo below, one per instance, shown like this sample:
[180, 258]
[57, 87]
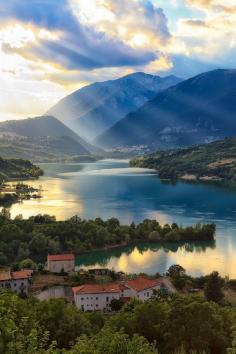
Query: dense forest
[214, 161]
[177, 324]
[42, 234]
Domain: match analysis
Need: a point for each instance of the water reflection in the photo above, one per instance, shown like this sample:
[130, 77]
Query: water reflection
[148, 258]
[109, 188]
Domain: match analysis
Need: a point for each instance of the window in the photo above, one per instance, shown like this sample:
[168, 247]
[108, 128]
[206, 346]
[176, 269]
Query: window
[147, 294]
[107, 298]
[82, 299]
[96, 298]
[96, 305]
[91, 298]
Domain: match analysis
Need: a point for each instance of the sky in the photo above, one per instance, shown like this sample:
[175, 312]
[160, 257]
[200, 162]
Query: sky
[50, 48]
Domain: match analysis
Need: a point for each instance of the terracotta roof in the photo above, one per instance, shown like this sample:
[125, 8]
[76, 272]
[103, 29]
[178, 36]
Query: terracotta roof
[142, 283]
[5, 276]
[21, 274]
[61, 257]
[97, 288]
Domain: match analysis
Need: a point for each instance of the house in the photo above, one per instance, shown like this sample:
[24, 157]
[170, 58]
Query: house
[57, 263]
[92, 297]
[17, 282]
[142, 288]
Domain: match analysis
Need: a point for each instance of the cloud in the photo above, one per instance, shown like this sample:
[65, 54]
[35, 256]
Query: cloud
[223, 6]
[78, 46]
[138, 23]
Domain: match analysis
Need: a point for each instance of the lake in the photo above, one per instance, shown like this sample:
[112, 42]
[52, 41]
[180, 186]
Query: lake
[110, 188]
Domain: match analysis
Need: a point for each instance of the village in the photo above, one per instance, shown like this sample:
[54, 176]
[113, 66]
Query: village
[98, 295]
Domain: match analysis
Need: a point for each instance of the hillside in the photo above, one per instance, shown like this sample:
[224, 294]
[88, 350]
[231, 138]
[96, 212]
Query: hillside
[214, 161]
[40, 139]
[18, 168]
[198, 110]
[95, 108]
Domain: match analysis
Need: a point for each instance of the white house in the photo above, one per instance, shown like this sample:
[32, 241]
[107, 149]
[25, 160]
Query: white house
[17, 282]
[57, 263]
[92, 297]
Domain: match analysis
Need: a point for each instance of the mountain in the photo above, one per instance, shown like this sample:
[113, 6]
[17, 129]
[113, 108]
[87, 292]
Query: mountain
[206, 162]
[95, 108]
[39, 137]
[197, 110]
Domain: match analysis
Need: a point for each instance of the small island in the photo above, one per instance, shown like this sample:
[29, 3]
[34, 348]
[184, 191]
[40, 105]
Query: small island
[215, 161]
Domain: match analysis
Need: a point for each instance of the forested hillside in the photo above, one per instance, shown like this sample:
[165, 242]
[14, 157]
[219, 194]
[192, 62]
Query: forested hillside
[214, 161]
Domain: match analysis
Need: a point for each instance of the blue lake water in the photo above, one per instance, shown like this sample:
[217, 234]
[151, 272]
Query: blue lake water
[110, 188]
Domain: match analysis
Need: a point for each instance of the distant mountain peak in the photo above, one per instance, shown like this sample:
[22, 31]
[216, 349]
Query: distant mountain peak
[196, 110]
[95, 108]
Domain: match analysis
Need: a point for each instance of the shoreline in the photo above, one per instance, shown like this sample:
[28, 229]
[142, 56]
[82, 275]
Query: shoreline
[141, 242]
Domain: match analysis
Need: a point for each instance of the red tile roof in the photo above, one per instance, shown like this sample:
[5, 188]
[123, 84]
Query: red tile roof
[138, 284]
[142, 283]
[21, 274]
[97, 288]
[5, 276]
[61, 257]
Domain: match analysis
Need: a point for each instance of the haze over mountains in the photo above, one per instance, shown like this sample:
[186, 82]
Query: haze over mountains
[40, 137]
[97, 107]
[198, 110]
[194, 111]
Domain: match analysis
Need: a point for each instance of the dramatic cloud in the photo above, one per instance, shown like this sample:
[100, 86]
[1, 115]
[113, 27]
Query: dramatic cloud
[49, 48]
[76, 46]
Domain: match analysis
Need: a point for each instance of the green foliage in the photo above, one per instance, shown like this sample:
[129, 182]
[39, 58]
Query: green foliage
[188, 322]
[215, 160]
[116, 304]
[18, 168]
[28, 264]
[173, 324]
[109, 342]
[177, 275]
[213, 288]
[42, 234]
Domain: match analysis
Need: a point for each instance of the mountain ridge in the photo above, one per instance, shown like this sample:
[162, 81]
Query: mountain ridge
[38, 136]
[96, 107]
[199, 109]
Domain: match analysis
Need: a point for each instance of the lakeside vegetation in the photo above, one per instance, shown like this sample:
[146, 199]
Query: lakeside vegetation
[12, 169]
[207, 162]
[14, 193]
[17, 169]
[39, 235]
[168, 323]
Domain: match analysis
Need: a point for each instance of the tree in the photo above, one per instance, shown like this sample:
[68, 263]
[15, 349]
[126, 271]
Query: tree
[107, 342]
[28, 264]
[116, 304]
[213, 288]
[154, 236]
[178, 276]
[175, 270]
